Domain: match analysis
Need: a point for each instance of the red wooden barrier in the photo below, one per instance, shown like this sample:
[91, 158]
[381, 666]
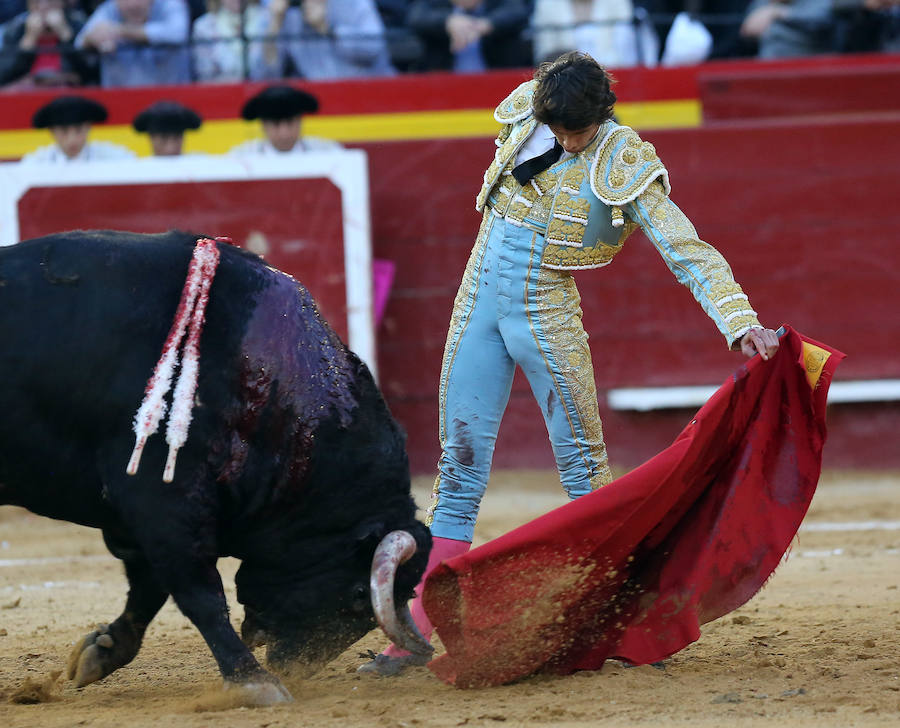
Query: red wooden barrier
[856, 85]
[804, 212]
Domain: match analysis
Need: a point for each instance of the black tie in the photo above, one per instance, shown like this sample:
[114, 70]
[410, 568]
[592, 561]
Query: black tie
[530, 167]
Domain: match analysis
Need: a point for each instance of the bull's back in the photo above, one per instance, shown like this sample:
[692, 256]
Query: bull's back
[83, 317]
[82, 314]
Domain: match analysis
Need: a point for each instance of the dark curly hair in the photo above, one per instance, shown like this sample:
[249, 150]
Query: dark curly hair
[574, 91]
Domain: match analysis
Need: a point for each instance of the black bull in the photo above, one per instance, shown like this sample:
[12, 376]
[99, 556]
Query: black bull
[292, 463]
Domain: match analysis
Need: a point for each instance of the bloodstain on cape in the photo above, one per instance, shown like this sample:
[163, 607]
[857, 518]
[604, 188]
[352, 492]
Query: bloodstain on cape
[632, 570]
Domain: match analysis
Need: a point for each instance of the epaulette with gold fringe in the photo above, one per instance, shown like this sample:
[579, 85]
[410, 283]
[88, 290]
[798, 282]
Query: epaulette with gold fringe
[623, 167]
[517, 105]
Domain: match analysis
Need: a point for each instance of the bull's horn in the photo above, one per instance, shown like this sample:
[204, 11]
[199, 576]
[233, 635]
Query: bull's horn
[394, 549]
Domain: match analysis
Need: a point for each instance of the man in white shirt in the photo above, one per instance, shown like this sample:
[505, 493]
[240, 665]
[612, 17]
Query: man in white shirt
[69, 120]
[280, 109]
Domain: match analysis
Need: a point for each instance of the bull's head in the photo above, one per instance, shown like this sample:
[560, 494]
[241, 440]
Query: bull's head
[309, 622]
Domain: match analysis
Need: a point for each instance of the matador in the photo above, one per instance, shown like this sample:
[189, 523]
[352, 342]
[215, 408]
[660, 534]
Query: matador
[566, 188]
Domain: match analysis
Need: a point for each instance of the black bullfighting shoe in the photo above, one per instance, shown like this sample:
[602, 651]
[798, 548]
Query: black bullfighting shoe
[387, 666]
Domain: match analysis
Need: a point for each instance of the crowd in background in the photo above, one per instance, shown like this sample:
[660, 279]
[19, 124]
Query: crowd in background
[118, 43]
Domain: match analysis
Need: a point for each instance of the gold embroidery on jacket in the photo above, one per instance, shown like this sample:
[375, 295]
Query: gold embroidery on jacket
[503, 193]
[563, 257]
[624, 166]
[570, 217]
[535, 199]
[517, 105]
[522, 202]
[540, 210]
[502, 156]
[572, 180]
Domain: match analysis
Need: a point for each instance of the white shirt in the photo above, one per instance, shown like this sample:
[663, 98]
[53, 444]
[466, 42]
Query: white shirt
[304, 144]
[91, 152]
[540, 141]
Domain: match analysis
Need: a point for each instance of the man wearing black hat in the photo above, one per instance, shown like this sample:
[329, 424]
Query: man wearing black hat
[165, 122]
[69, 120]
[280, 108]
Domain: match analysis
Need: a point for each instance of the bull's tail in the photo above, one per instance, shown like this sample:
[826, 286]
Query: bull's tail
[189, 318]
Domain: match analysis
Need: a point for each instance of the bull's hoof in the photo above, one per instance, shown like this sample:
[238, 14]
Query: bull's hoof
[92, 658]
[260, 692]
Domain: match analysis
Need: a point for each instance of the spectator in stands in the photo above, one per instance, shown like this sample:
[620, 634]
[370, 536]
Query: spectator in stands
[601, 28]
[326, 39]
[10, 9]
[784, 28]
[37, 47]
[722, 18]
[69, 120]
[405, 46]
[141, 42]
[795, 28]
[223, 45]
[885, 22]
[472, 35]
[165, 122]
[280, 109]
[727, 39]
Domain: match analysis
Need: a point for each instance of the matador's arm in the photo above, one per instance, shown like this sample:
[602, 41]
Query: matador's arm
[695, 263]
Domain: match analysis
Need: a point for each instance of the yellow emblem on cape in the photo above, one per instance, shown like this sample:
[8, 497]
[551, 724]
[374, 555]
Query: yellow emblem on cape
[814, 358]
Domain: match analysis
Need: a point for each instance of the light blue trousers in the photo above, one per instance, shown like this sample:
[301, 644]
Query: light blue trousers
[510, 311]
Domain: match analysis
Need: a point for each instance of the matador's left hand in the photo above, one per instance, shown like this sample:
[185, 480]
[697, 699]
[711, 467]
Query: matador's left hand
[762, 341]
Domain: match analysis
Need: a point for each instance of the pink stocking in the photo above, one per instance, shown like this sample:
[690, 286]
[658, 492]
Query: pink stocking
[441, 550]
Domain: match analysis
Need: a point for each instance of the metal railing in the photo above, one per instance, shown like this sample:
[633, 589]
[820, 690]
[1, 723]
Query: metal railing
[281, 42]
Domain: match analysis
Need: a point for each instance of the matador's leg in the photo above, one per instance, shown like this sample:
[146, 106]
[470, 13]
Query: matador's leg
[553, 352]
[476, 378]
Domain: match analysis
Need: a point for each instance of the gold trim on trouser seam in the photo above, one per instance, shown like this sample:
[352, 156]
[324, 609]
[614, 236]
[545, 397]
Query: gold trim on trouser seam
[459, 320]
[559, 315]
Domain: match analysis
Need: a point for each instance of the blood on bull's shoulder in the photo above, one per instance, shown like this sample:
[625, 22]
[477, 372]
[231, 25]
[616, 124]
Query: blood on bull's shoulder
[190, 401]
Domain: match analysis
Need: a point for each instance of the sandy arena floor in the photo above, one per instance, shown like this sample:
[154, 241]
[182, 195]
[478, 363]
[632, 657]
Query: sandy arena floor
[819, 646]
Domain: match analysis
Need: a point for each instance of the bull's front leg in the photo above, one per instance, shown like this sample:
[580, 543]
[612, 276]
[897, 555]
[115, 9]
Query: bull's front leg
[174, 527]
[202, 600]
[111, 646]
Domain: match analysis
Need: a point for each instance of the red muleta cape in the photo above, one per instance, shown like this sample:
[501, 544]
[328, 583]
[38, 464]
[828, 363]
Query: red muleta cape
[632, 570]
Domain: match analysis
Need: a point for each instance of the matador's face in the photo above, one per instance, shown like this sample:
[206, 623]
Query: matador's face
[574, 140]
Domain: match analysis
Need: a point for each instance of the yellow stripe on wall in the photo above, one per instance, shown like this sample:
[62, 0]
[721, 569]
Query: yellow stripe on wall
[218, 136]
[683, 114]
